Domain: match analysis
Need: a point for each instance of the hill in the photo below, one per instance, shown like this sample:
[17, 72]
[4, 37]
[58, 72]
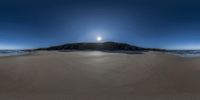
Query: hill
[98, 46]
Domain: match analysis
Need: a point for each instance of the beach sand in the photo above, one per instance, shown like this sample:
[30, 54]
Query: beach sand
[95, 75]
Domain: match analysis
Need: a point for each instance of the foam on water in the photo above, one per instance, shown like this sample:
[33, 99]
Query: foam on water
[12, 52]
[186, 53]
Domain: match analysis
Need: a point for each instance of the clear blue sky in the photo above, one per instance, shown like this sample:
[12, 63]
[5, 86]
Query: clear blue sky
[169, 24]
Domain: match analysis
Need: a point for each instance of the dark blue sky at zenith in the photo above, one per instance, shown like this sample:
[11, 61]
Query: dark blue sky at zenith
[168, 24]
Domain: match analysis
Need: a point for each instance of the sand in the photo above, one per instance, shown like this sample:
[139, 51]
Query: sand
[94, 75]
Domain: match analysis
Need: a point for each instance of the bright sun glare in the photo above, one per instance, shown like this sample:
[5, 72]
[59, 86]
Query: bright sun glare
[99, 38]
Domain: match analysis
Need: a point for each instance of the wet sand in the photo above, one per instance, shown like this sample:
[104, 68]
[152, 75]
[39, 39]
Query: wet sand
[94, 75]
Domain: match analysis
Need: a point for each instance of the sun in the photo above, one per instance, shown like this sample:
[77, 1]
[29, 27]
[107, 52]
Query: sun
[99, 38]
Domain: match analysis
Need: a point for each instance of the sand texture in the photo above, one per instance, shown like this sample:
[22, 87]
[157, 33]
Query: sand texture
[94, 75]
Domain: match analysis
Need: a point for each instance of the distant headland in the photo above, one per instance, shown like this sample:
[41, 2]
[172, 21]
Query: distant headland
[99, 46]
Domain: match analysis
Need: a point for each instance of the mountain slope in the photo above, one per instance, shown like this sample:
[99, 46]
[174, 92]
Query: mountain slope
[94, 46]
[98, 46]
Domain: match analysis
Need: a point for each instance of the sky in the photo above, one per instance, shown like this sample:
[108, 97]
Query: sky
[167, 24]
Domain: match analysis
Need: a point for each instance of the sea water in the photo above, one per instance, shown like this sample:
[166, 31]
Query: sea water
[185, 53]
[12, 52]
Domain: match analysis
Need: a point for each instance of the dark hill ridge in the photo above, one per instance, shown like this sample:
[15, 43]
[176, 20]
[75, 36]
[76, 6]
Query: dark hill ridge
[96, 46]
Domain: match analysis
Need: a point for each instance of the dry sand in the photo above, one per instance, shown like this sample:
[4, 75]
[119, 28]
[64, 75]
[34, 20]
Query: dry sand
[99, 76]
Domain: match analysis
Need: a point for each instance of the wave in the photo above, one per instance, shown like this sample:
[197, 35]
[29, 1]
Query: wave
[12, 52]
[186, 53]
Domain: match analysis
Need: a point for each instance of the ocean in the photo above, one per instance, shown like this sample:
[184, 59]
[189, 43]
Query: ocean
[12, 52]
[185, 53]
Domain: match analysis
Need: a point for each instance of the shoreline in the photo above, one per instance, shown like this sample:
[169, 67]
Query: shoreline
[105, 51]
